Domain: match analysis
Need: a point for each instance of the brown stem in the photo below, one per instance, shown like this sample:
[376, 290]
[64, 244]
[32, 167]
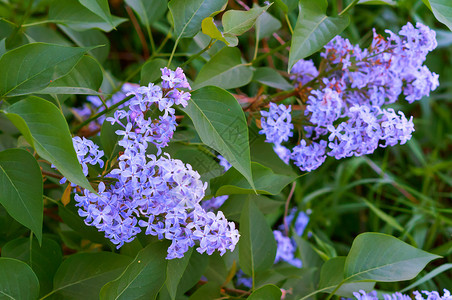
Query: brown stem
[139, 31]
[286, 208]
[49, 174]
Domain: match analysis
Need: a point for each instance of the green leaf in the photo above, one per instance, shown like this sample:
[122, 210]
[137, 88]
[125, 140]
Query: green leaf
[332, 274]
[188, 15]
[17, 280]
[233, 206]
[265, 181]
[50, 62]
[271, 77]
[149, 11]
[384, 216]
[210, 290]
[86, 78]
[45, 128]
[263, 153]
[209, 28]
[309, 257]
[44, 260]
[82, 275]
[257, 246]
[381, 257]
[216, 270]
[100, 8]
[175, 270]
[21, 186]
[237, 22]
[78, 17]
[225, 69]
[150, 72]
[90, 38]
[442, 9]
[221, 125]
[194, 271]
[266, 25]
[9, 228]
[45, 34]
[266, 292]
[313, 30]
[143, 277]
[2, 47]
[429, 276]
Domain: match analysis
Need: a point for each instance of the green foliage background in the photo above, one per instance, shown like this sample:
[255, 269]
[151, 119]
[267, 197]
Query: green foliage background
[54, 53]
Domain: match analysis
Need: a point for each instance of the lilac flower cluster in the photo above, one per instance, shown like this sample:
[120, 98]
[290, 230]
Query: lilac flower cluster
[362, 295]
[277, 126]
[303, 71]
[157, 193]
[346, 110]
[87, 153]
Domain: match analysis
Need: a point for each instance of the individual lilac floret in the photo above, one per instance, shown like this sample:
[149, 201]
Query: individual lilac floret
[87, 153]
[303, 71]
[285, 250]
[276, 123]
[309, 157]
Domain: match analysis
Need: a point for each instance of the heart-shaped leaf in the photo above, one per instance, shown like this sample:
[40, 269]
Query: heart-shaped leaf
[225, 69]
[17, 280]
[221, 125]
[143, 277]
[313, 30]
[82, 275]
[49, 62]
[21, 188]
[45, 128]
[381, 257]
[257, 246]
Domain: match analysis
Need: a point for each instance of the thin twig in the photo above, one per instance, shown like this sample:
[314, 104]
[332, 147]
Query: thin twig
[286, 208]
[137, 27]
[49, 174]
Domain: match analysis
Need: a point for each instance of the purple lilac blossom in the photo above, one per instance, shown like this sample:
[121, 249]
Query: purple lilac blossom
[347, 108]
[243, 280]
[156, 193]
[303, 71]
[282, 152]
[285, 250]
[309, 157]
[224, 163]
[87, 153]
[362, 295]
[276, 123]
